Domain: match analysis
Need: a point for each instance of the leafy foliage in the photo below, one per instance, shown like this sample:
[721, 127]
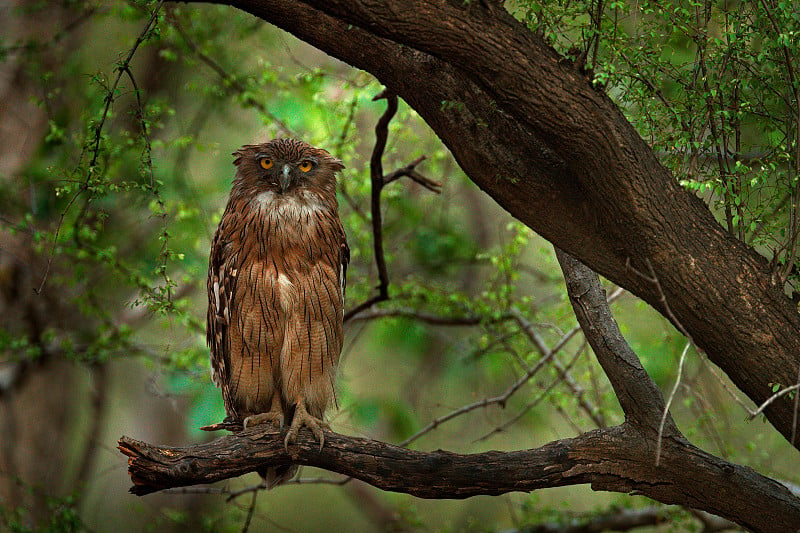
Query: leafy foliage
[714, 88]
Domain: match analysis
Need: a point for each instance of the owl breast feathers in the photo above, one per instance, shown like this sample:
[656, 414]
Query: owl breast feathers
[276, 282]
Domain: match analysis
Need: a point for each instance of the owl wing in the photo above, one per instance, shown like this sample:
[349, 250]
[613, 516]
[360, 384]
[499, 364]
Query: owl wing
[222, 276]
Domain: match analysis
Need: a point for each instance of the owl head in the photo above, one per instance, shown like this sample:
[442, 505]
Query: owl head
[283, 166]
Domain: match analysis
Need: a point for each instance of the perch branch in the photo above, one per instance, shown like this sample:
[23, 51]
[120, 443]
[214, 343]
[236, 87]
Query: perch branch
[614, 459]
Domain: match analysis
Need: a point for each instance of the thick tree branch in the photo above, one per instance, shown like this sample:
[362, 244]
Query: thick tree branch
[533, 133]
[614, 459]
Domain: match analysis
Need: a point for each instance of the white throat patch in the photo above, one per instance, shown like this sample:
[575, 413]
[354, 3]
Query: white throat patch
[289, 206]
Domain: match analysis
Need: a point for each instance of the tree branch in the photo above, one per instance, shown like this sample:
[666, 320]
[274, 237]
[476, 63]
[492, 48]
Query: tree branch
[409, 171]
[638, 395]
[614, 459]
[377, 182]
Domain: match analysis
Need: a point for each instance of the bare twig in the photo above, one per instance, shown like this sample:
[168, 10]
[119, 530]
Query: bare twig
[653, 278]
[250, 510]
[409, 171]
[496, 400]
[366, 304]
[544, 394]
[540, 345]
[377, 182]
[722, 381]
[420, 316]
[251, 489]
[772, 398]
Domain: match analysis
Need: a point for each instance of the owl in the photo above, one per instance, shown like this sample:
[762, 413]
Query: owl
[276, 282]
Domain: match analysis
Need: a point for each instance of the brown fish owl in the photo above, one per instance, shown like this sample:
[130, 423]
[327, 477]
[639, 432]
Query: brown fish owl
[276, 280]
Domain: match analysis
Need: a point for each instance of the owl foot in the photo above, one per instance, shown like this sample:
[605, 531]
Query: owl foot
[302, 418]
[274, 418]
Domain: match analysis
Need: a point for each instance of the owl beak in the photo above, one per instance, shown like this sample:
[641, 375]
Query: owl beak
[285, 177]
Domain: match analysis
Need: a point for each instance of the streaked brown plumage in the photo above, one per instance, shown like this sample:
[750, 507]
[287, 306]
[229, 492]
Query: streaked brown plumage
[276, 282]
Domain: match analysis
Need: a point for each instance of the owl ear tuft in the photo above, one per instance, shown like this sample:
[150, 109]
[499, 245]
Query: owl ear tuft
[335, 164]
[245, 151]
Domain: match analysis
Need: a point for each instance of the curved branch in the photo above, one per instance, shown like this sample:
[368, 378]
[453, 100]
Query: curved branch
[532, 132]
[377, 183]
[615, 459]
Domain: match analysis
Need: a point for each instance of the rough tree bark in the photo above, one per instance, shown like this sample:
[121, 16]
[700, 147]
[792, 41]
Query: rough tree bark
[620, 459]
[532, 132]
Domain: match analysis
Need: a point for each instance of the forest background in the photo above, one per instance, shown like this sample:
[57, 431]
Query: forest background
[118, 120]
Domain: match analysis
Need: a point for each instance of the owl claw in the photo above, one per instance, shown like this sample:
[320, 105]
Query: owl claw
[273, 418]
[302, 418]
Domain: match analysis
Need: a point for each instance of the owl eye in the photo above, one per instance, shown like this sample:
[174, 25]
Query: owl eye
[266, 163]
[305, 166]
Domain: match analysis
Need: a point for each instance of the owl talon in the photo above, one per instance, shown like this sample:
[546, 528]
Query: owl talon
[302, 418]
[272, 418]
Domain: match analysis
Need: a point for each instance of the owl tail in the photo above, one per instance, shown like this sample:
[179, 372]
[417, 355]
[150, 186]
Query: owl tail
[278, 475]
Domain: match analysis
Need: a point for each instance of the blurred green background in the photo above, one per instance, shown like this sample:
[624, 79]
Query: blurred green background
[114, 181]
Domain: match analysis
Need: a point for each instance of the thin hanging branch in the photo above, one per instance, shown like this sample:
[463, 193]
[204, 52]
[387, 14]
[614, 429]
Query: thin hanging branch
[377, 182]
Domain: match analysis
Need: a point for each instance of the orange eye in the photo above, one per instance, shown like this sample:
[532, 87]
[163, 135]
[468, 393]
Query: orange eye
[305, 166]
[266, 163]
